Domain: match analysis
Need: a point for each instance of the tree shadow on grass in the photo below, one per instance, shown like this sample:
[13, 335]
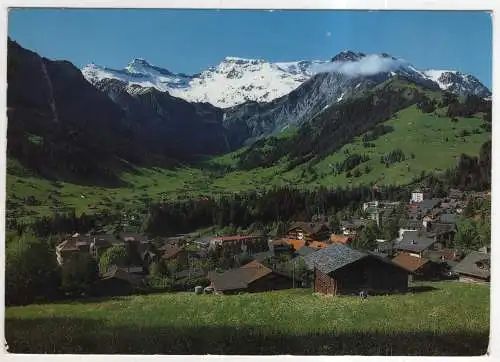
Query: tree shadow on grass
[84, 336]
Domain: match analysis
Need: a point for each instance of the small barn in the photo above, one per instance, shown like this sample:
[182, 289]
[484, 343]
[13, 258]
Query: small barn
[474, 268]
[252, 277]
[341, 270]
[117, 281]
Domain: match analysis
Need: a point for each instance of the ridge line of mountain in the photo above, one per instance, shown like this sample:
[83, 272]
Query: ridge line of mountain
[236, 80]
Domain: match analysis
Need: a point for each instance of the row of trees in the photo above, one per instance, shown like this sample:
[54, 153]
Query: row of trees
[427, 105]
[31, 270]
[470, 106]
[395, 156]
[471, 173]
[473, 230]
[265, 207]
[350, 163]
[376, 132]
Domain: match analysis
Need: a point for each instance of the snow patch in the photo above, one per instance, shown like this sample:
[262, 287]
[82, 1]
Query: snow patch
[232, 82]
[435, 75]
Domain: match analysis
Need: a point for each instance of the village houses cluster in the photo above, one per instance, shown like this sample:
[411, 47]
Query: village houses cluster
[422, 251]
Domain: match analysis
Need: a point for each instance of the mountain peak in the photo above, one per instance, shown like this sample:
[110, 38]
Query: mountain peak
[238, 60]
[348, 56]
[139, 61]
[352, 56]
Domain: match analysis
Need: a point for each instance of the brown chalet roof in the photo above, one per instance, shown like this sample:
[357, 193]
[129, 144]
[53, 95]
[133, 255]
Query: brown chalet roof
[237, 279]
[258, 270]
[408, 262]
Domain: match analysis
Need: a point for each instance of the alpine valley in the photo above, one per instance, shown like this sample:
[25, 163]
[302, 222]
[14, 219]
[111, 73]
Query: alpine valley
[100, 138]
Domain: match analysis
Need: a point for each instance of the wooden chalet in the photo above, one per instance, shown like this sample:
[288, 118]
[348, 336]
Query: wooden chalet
[308, 231]
[251, 278]
[247, 243]
[117, 281]
[341, 270]
[353, 227]
[443, 232]
[70, 247]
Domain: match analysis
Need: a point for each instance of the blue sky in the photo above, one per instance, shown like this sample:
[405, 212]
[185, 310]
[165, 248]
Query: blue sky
[191, 40]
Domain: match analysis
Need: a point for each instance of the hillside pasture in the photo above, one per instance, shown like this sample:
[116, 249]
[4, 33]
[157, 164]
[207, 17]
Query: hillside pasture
[445, 318]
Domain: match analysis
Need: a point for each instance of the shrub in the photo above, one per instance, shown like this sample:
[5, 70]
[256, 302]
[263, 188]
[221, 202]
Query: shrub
[464, 133]
[31, 201]
[30, 270]
[395, 156]
[78, 273]
[116, 255]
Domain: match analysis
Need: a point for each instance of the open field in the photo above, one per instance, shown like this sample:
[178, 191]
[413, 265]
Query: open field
[434, 141]
[445, 318]
[430, 143]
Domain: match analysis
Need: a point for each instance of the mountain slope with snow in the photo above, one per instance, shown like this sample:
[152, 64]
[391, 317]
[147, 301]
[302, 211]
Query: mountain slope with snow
[237, 80]
[232, 82]
[458, 83]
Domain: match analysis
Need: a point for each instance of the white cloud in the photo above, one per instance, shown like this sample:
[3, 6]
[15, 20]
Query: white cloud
[369, 65]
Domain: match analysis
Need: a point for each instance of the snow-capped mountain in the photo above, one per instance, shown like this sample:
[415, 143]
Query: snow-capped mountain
[232, 82]
[458, 83]
[237, 80]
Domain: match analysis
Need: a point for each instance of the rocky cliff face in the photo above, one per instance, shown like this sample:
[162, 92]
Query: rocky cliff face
[59, 124]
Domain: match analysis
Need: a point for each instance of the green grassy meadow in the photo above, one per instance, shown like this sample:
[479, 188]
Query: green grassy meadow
[444, 318]
[433, 141]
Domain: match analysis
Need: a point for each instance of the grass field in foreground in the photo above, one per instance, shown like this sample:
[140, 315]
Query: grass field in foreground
[445, 318]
